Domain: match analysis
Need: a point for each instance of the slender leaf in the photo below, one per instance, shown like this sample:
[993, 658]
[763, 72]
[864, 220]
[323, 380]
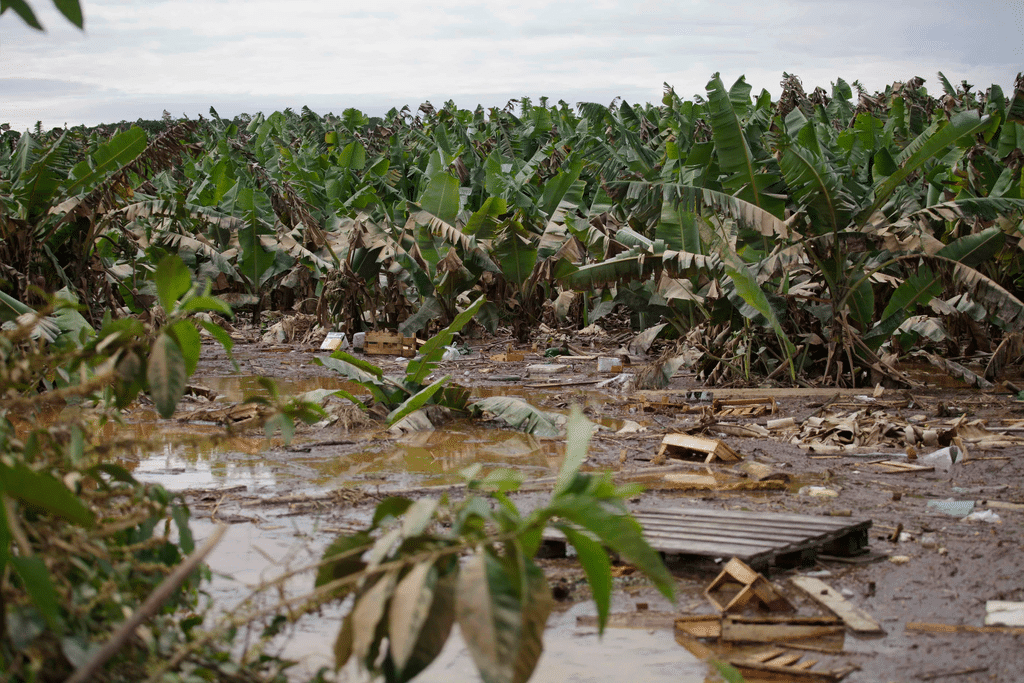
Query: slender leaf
[518, 414]
[36, 579]
[166, 374]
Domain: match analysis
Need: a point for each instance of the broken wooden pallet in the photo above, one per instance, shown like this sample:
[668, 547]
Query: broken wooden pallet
[758, 538]
[689, 447]
[778, 665]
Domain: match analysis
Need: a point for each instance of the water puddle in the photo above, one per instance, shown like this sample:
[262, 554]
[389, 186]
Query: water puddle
[248, 556]
[195, 455]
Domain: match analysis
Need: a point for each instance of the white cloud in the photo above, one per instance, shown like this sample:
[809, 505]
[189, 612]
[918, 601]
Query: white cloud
[256, 52]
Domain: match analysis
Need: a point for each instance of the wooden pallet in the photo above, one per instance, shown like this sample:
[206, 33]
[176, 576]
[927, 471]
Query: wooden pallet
[760, 539]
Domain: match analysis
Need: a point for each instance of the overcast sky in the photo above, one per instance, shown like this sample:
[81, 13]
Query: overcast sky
[137, 58]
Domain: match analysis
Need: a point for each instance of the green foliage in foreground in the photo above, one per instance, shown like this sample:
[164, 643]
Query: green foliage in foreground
[83, 544]
[413, 577]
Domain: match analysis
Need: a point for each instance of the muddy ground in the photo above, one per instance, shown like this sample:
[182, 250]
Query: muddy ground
[923, 564]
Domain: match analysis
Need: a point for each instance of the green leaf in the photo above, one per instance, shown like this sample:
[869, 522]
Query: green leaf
[416, 401]
[36, 579]
[974, 249]
[922, 149]
[172, 279]
[410, 606]
[370, 382]
[618, 530]
[918, 289]
[678, 226]
[516, 256]
[353, 156]
[751, 292]
[578, 432]
[220, 334]
[166, 374]
[734, 155]
[108, 159]
[367, 613]
[346, 551]
[45, 491]
[501, 619]
[430, 309]
[862, 300]
[518, 414]
[435, 630]
[201, 302]
[72, 10]
[430, 353]
[441, 197]
[392, 507]
[187, 336]
[815, 187]
[22, 9]
[364, 365]
[343, 643]
[482, 223]
[598, 568]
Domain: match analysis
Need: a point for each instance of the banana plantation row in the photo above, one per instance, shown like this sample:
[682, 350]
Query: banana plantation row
[852, 227]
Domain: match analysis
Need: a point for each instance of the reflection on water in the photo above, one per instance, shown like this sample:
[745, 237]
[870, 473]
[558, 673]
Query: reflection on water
[190, 455]
[236, 388]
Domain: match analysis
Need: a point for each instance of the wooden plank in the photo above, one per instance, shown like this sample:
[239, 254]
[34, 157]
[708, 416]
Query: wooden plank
[785, 660]
[854, 617]
[925, 627]
[765, 655]
[739, 629]
[784, 674]
[700, 625]
[644, 620]
[898, 467]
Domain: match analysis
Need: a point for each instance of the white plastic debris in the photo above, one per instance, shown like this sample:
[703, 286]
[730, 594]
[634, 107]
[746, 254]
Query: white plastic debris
[989, 516]
[451, 352]
[359, 341]
[943, 459]
[631, 427]
[1004, 613]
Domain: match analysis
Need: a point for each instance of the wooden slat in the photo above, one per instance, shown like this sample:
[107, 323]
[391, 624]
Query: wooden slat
[854, 617]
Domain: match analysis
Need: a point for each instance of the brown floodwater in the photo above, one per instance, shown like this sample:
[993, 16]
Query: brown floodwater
[184, 456]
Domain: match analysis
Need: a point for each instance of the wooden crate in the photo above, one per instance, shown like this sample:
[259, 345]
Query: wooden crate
[389, 344]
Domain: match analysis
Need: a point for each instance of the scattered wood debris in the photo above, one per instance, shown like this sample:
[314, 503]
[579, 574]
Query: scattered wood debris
[747, 629]
[687, 447]
[753, 588]
[926, 627]
[744, 407]
[855, 618]
[783, 666]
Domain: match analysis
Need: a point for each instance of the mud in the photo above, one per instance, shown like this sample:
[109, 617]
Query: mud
[291, 500]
